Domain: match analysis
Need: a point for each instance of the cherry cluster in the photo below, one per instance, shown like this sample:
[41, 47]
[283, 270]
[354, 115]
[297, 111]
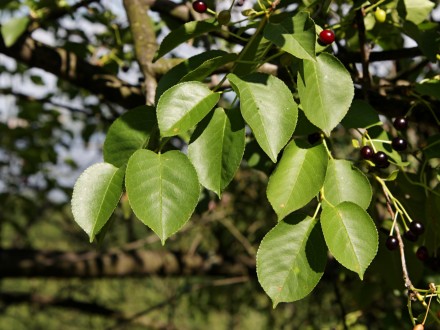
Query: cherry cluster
[416, 228]
[380, 159]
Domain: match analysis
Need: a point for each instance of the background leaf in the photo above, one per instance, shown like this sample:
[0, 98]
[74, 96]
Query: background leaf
[217, 147]
[346, 183]
[95, 196]
[326, 91]
[268, 108]
[417, 10]
[295, 35]
[182, 106]
[13, 29]
[297, 179]
[291, 259]
[176, 73]
[128, 133]
[361, 115]
[350, 234]
[163, 190]
[184, 33]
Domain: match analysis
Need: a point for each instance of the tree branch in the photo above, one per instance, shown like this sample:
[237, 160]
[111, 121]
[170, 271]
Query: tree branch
[38, 263]
[144, 37]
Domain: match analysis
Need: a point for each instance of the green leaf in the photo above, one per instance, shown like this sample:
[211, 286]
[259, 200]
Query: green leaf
[95, 196]
[208, 67]
[350, 234]
[181, 107]
[252, 55]
[297, 179]
[346, 183]
[361, 115]
[184, 33]
[418, 10]
[176, 74]
[128, 133]
[268, 107]
[13, 29]
[163, 190]
[217, 147]
[326, 91]
[295, 35]
[291, 259]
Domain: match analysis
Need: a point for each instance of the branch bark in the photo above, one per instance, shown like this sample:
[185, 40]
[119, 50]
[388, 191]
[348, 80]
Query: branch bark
[58, 264]
[144, 36]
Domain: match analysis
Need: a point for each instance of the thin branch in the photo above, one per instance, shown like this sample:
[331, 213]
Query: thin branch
[365, 53]
[406, 278]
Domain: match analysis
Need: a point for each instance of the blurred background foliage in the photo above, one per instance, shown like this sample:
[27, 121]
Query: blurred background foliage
[50, 130]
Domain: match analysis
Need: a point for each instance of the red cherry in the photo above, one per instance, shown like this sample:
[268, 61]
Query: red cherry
[326, 37]
[200, 6]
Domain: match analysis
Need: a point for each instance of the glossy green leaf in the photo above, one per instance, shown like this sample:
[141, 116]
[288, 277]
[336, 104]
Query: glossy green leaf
[184, 33]
[291, 259]
[418, 10]
[361, 115]
[176, 73]
[217, 147]
[326, 91]
[163, 190]
[95, 196]
[350, 234]
[181, 107]
[346, 183]
[297, 179]
[12, 29]
[295, 35]
[267, 106]
[128, 133]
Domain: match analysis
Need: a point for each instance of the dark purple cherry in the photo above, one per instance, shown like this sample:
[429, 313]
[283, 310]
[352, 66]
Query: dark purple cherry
[380, 159]
[410, 236]
[422, 253]
[367, 152]
[399, 144]
[200, 6]
[400, 123]
[392, 243]
[417, 227]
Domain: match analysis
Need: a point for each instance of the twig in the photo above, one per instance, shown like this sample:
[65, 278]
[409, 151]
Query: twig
[365, 53]
[408, 283]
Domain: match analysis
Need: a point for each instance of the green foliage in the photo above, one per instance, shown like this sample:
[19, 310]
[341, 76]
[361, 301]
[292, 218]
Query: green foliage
[325, 102]
[217, 147]
[95, 196]
[291, 259]
[350, 234]
[297, 179]
[182, 106]
[13, 29]
[163, 190]
[272, 119]
[234, 120]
